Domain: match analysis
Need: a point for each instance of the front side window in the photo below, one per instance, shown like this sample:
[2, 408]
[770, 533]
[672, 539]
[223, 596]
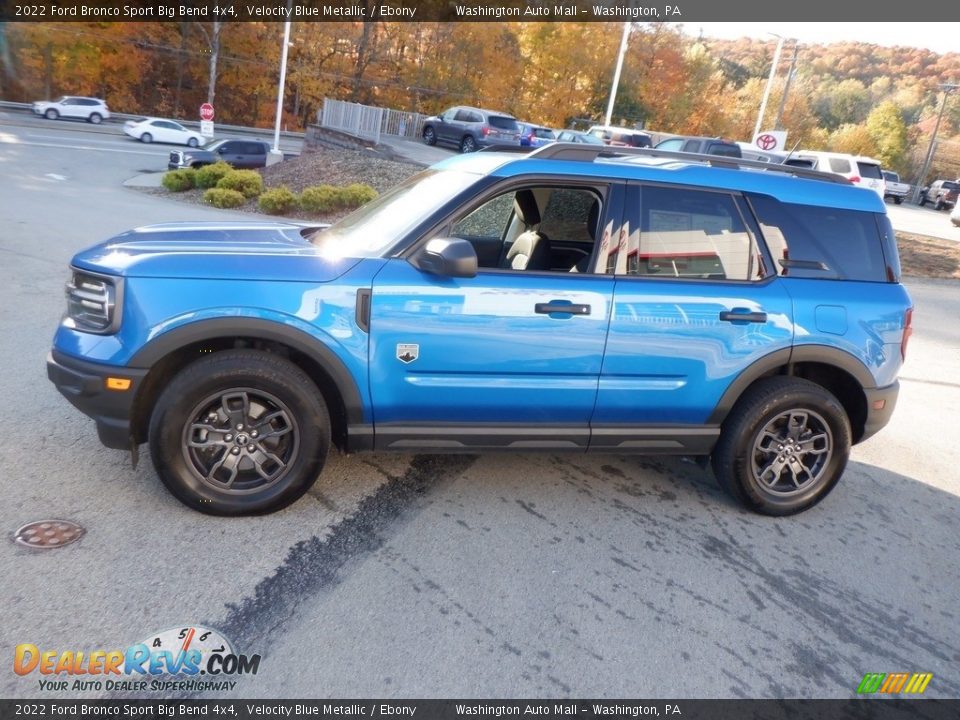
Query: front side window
[687, 233]
[675, 144]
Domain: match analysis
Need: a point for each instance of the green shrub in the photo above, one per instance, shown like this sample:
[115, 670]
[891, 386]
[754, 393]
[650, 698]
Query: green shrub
[209, 175]
[179, 180]
[357, 194]
[277, 201]
[247, 182]
[326, 198]
[224, 198]
[320, 198]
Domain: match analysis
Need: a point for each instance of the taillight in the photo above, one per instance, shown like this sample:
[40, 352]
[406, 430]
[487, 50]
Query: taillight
[907, 332]
[485, 131]
[855, 179]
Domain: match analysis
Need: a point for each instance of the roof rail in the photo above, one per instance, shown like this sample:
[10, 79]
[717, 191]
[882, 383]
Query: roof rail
[588, 153]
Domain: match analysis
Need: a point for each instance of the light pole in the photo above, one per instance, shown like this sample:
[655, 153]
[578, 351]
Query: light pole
[283, 80]
[922, 180]
[616, 73]
[766, 92]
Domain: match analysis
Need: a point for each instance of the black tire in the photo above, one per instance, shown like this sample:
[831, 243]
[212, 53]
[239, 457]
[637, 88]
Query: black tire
[750, 448]
[95, 118]
[198, 165]
[253, 406]
[146, 138]
[938, 205]
[429, 136]
[898, 200]
[192, 142]
[51, 114]
[468, 144]
[923, 200]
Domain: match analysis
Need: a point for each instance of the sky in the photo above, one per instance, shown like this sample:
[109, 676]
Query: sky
[940, 37]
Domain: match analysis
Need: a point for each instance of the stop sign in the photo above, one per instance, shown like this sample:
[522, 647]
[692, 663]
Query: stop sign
[206, 111]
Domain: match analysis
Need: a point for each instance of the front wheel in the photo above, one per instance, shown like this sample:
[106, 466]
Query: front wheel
[429, 136]
[783, 447]
[146, 138]
[241, 432]
[51, 114]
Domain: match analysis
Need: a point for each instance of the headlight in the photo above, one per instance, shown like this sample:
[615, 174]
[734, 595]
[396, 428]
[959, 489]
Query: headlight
[93, 302]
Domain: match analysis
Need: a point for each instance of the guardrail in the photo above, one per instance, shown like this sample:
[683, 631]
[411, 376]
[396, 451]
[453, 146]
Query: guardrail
[368, 121]
[120, 118]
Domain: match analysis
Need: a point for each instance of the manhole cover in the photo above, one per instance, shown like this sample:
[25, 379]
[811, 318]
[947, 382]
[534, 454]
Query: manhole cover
[48, 534]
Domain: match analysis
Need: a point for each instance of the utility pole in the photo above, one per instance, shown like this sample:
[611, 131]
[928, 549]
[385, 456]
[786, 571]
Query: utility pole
[786, 87]
[283, 80]
[766, 92]
[922, 180]
[616, 73]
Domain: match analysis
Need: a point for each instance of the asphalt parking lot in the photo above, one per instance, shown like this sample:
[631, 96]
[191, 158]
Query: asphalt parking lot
[458, 576]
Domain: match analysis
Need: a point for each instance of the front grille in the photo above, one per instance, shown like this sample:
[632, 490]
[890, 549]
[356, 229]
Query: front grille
[91, 302]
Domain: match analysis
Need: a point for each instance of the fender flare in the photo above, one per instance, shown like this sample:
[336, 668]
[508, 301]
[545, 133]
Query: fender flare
[823, 354]
[214, 328]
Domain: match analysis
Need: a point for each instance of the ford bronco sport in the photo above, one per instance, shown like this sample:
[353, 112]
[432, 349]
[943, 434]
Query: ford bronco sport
[581, 298]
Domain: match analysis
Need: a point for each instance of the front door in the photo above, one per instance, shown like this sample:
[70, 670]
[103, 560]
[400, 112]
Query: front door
[510, 358]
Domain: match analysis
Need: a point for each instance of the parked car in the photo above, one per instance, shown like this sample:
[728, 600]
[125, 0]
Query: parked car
[955, 216]
[535, 136]
[93, 110]
[573, 136]
[860, 170]
[893, 188]
[470, 129]
[942, 193]
[162, 131]
[620, 137]
[701, 145]
[755, 320]
[239, 153]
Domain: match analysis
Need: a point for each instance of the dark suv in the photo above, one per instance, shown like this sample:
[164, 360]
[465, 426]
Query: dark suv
[580, 298]
[701, 145]
[942, 193]
[470, 128]
[239, 153]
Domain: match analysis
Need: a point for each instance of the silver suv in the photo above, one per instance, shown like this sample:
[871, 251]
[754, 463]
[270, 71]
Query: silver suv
[470, 128]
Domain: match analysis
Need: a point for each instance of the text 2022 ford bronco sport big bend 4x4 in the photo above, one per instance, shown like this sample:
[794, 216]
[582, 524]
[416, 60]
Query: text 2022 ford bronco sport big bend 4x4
[580, 298]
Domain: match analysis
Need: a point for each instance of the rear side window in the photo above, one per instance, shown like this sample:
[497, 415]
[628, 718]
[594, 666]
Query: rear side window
[725, 150]
[948, 185]
[827, 243]
[503, 123]
[839, 165]
[869, 170]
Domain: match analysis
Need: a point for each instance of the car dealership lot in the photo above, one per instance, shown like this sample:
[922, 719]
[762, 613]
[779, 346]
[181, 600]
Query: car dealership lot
[506, 575]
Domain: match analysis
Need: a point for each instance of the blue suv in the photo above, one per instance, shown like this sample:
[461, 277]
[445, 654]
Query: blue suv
[581, 298]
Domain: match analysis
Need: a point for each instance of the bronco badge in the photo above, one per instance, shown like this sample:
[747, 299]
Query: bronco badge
[407, 352]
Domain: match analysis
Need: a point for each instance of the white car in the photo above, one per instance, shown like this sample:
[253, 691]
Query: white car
[92, 110]
[163, 131]
[860, 170]
[955, 215]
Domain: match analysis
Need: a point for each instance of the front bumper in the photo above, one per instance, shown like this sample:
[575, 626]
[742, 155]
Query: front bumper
[878, 417]
[84, 384]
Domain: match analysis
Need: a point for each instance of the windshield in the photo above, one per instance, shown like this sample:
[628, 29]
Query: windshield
[371, 229]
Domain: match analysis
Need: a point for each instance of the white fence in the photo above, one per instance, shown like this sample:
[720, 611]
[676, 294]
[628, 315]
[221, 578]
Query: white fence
[369, 122]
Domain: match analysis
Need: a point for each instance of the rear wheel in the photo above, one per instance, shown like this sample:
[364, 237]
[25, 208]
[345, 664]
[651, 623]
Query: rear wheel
[468, 144]
[783, 447]
[95, 118]
[51, 114]
[192, 142]
[898, 200]
[146, 138]
[938, 205]
[241, 432]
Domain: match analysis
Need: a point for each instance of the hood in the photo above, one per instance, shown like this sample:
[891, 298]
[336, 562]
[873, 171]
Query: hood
[215, 250]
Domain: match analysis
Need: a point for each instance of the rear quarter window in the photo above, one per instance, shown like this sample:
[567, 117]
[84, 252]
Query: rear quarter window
[869, 170]
[839, 165]
[503, 123]
[852, 244]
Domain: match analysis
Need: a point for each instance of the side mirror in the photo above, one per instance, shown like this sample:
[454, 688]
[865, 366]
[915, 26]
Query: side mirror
[221, 150]
[447, 257]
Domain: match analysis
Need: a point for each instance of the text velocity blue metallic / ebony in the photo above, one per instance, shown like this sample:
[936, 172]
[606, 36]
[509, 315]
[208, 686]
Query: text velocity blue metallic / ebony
[647, 302]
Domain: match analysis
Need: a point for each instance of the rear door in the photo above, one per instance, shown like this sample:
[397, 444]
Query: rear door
[695, 303]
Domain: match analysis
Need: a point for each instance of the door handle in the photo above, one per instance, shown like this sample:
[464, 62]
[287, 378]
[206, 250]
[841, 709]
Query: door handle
[556, 306]
[742, 316]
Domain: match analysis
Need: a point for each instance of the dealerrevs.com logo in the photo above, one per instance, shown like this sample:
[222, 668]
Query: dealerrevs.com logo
[184, 659]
